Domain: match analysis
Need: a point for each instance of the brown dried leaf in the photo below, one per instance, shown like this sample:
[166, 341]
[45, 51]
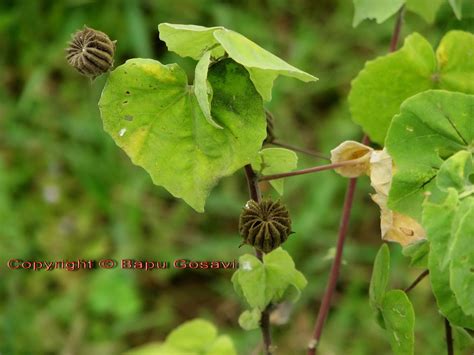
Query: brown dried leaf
[353, 151]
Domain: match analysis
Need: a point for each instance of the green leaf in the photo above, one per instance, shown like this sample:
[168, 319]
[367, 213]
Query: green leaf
[431, 126]
[194, 335]
[222, 345]
[280, 275]
[462, 339]
[462, 257]
[202, 89]
[263, 66]
[273, 161]
[439, 218]
[250, 320]
[427, 9]
[399, 319]
[455, 172]
[381, 87]
[380, 10]
[271, 281]
[418, 253]
[250, 281]
[380, 276]
[456, 5]
[190, 40]
[151, 112]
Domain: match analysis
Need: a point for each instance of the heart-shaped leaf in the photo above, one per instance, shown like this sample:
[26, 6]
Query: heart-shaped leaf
[153, 115]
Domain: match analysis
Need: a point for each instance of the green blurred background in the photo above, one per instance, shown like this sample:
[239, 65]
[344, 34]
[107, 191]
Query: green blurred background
[67, 192]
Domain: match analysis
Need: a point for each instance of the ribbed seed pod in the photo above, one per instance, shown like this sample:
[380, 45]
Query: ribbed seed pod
[91, 52]
[265, 225]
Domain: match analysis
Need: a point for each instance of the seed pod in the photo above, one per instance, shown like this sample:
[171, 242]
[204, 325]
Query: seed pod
[265, 225]
[91, 52]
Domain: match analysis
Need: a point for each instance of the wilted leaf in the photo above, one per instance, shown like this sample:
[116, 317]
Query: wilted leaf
[357, 153]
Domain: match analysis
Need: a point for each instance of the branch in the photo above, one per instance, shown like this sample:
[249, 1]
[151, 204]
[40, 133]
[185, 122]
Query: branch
[301, 150]
[417, 280]
[336, 265]
[326, 302]
[449, 337]
[397, 30]
[254, 193]
[314, 169]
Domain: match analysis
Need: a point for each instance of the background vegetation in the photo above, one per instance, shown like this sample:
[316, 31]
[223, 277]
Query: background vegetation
[67, 192]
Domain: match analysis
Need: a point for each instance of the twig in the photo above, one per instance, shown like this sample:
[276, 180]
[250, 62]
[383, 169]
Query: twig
[254, 193]
[301, 150]
[314, 169]
[397, 30]
[417, 280]
[326, 302]
[336, 265]
[449, 337]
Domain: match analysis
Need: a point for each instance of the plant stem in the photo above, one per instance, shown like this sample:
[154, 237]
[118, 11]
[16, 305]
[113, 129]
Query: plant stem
[326, 302]
[417, 281]
[254, 193]
[449, 337]
[301, 150]
[336, 265]
[397, 30]
[314, 169]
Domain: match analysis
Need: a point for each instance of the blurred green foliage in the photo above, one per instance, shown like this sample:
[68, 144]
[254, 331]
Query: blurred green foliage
[67, 192]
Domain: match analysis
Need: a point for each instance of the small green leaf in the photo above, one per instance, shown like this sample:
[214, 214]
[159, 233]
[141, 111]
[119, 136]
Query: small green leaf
[380, 276]
[455, 172]
[275, 280]
[280, 275]
[432, 126]
[250, 280]
[439, 218]
[427, 9]
[190, 40]
[462, 257]
[380, 10]
[462, 339]
[456, 5]
[263, 66]
[273, 161]
[418, 253]
[202, 89]
[151, 112]
[250, 320]
[222, 345]
[381, 87]
[399, 318]
[194, 335]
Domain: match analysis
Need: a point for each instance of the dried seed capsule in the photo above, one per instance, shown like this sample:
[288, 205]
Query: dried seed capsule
[265, 225]
[91, 52]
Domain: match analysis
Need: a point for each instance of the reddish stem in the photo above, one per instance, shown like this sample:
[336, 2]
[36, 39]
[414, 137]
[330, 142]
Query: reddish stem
[333, 276]
[314, 169]
[336, 265]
